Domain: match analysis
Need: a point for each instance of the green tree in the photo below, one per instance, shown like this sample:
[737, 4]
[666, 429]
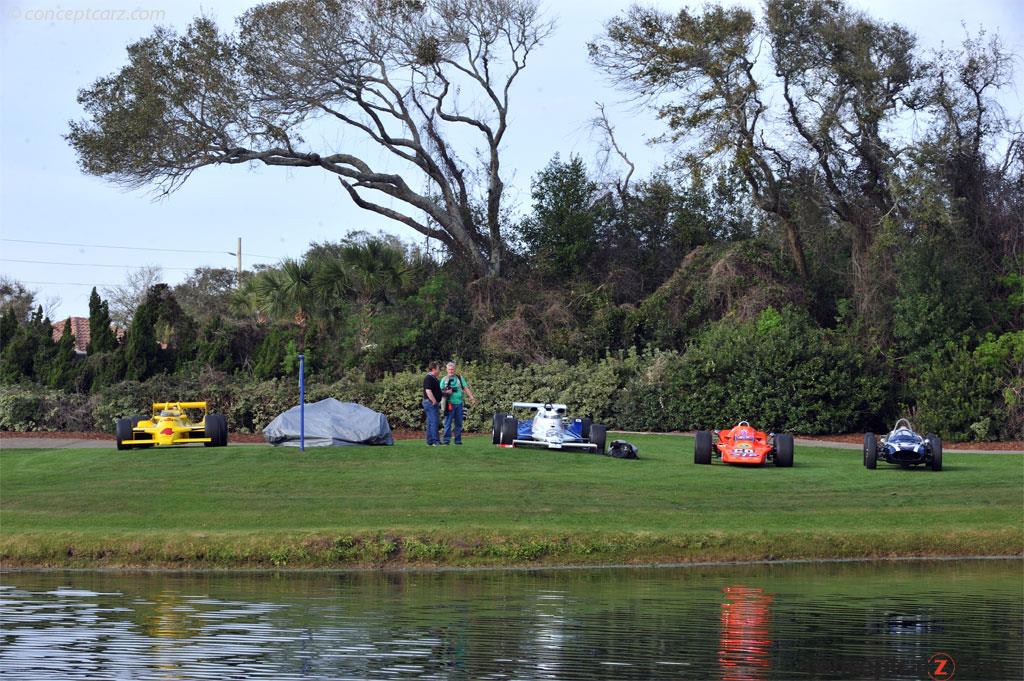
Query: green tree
[294, 293]
[27, 356]
[206, 293]
[8, 327]
[709, 61]
[175, 331]
[423, 82]
[268, 360]
[101, 335]
[834, 138]
[17, 298]
[214, 347]
[562, 232]
[141, 352]
[63, 369]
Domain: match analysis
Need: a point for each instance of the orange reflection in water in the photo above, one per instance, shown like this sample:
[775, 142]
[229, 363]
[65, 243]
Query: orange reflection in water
[744, 647]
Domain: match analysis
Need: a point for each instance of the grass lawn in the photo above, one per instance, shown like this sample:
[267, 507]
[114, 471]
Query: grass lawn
[258, 506]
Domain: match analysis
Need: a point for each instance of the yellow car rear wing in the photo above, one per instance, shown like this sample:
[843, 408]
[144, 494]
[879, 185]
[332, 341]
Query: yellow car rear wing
[159, 406]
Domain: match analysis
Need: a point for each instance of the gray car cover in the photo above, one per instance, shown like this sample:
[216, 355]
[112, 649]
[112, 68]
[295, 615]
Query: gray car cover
[329, 423]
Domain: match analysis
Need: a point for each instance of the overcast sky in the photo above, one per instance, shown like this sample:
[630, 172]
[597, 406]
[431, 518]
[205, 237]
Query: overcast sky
[277, 213]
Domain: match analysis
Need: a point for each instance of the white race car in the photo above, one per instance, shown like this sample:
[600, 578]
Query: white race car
[549, 427]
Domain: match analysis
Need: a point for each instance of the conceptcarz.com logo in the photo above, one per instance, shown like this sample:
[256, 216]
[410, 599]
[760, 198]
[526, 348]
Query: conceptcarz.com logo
[941, 667]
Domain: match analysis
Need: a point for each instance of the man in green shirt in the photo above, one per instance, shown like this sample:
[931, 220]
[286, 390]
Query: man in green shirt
[452, 387]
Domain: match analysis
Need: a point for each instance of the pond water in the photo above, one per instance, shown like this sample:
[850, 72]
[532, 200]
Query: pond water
[894, 620]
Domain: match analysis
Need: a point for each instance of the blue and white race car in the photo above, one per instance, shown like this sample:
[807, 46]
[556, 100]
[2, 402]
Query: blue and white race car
[549, 427]
[903, 447]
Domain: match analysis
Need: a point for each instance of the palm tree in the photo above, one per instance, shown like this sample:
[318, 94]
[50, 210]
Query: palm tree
[290, 293]
[375, 271]
[293, 292]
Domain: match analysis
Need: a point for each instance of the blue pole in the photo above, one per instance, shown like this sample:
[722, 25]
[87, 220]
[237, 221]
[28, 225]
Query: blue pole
[302, 403]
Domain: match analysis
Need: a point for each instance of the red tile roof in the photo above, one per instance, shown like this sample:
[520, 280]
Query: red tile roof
[79, 331]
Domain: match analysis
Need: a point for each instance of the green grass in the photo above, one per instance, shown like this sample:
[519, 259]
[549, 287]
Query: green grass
[258, 506]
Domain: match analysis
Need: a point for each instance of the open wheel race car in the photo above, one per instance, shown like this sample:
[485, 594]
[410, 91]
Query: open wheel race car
[549, 427]
[172, 424]
[903, 447]
[745, 445]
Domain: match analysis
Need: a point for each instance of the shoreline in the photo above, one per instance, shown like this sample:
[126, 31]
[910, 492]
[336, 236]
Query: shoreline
[398, 551]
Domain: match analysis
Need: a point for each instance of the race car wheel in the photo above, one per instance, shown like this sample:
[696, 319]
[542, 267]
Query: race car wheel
[509, 430]
[784, 450]
[216, 430]
[222, 437]
[135, 420]
[598, 436]
[935, 444]
[870, 451]
[122, 432]
[496, 428]
[585, 426]
[702, 447]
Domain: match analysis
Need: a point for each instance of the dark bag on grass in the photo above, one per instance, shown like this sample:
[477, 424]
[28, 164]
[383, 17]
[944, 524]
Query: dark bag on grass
[621, 449]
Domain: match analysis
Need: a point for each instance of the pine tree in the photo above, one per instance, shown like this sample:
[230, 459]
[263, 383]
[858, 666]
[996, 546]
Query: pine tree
[18, 357]
[8, 327]
[142, 354]
[101, 336]
[63, 368]
[41, 328]
[214, 350]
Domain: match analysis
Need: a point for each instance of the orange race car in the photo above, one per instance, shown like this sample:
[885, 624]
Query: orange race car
[744, 444]
[173, 423]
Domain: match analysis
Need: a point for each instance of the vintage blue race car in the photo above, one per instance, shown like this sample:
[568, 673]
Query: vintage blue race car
[549, 427]
[903, 447]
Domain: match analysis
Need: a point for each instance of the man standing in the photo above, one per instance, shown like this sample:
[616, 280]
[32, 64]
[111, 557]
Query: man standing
[452, 387]
[431, 400]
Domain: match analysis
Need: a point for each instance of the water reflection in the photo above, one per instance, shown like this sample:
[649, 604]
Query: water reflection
[754, 622]
[744, 652]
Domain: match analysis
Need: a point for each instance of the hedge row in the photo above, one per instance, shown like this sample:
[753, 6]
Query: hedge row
[778, 372]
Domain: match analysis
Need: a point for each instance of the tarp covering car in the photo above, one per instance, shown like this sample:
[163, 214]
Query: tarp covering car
[330, 423]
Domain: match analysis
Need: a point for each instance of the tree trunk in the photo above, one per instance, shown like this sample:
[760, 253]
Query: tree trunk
[796, 247]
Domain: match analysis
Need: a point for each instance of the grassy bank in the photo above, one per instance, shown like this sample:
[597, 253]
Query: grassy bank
[256, 506]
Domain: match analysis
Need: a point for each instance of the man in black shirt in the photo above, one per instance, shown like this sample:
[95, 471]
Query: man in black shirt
[431, 403]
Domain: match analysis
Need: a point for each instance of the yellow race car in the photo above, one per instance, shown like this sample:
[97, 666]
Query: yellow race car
[173, 423]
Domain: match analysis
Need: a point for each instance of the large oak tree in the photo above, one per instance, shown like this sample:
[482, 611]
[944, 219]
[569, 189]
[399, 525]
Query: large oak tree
[814, 103]
[427, 82]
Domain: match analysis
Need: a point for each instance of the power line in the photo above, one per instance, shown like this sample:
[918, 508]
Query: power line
[65, 283]
[139, 248]
[90, 264]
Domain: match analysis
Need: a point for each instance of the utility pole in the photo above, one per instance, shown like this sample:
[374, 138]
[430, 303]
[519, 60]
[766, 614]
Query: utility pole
[238, 251]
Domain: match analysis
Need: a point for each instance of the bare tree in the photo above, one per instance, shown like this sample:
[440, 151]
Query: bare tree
[125, 299]
[427, 82]
[17, 297]
[709, 61]
[608, 145]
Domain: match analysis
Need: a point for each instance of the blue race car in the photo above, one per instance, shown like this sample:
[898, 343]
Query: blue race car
[903, 447]
[549, 428]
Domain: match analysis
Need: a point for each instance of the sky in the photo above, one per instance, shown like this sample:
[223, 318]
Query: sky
[62, 232]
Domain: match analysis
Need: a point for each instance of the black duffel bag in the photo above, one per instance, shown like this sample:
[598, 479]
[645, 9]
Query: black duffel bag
[621, 449]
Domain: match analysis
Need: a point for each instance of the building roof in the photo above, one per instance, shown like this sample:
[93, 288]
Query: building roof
[79, 331]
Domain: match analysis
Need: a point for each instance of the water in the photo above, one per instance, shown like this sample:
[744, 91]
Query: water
[834, 621]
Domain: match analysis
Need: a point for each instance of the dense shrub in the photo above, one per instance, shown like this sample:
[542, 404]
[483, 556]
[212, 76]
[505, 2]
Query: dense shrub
[970, 394]
[780, 372]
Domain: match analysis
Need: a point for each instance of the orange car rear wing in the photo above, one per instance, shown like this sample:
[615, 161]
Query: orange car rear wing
[159, 406]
